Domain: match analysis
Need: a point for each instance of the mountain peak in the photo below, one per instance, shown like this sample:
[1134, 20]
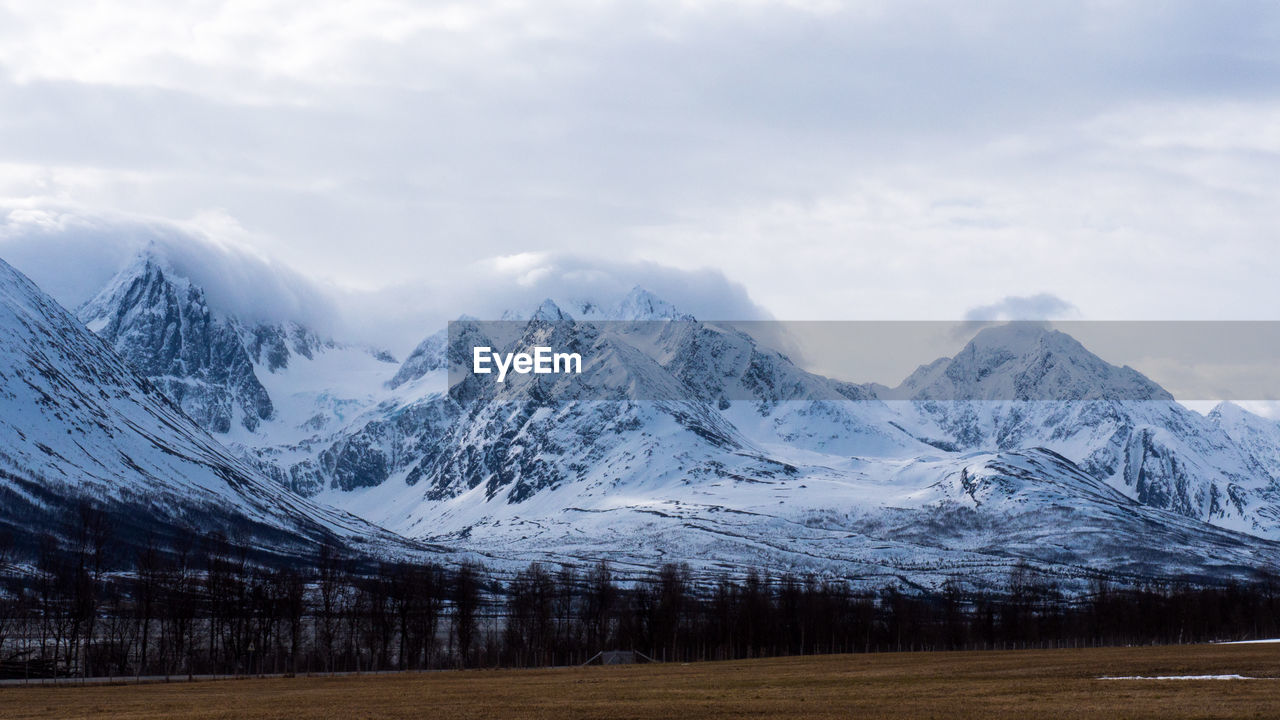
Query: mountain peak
[640, 304]
[149, 262]
[1028, 361]
[147, 278]
[161, 324]
[549, 311]
[1017, 336]
[430, 354]
[1230, 416]
[1227, 411]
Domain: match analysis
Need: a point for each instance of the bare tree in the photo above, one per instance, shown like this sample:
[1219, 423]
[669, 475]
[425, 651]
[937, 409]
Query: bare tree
[92, 532]
[599, 604]
[10, 600]
[466, 603]
[530, 629]
[146, 595]
[291, 605]
[331, 586]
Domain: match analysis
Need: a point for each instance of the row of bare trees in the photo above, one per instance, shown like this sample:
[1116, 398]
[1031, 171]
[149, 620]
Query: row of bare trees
[210, 607]
[553, 617]
[207, 608]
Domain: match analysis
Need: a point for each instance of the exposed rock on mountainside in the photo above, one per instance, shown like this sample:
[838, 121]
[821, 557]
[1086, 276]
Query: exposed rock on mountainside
[692, 440]
[78, 423]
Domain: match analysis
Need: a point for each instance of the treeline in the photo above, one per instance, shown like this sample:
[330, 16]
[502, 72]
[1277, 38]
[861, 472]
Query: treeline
[78, 610]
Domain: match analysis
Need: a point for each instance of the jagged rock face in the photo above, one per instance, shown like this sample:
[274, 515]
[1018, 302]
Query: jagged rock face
[1040, 506]
[268, 345]
[165, 330]
[77, 422]
[369, 456]
[273, 345]
[1255, 435]
[1011, 388]
[682, 437]
[632, 414]
[1024, 386]
[428, 356]
[1026, 362]
[512, 458]
[219, 370]
[640, 304]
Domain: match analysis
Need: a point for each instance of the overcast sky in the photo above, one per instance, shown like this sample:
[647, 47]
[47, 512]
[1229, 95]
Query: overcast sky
[804, 160]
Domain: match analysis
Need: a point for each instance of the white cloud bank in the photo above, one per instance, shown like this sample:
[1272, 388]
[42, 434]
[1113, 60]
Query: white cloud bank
[73, 253]
[867, 159]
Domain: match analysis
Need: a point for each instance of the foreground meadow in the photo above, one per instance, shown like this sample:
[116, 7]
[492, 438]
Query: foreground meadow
[1057, 683]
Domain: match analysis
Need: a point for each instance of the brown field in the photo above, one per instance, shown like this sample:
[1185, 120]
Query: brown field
[1015, 684]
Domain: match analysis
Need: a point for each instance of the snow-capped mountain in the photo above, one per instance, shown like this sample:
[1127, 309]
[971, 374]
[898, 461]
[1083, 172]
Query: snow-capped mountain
[1026, 362]
[78, 423]
[162, 326]
[1255, 435]
[278, 393]
[684, 439]
[1023, 385]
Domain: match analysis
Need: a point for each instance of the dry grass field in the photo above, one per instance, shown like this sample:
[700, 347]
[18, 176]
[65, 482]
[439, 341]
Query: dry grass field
[1018, 684]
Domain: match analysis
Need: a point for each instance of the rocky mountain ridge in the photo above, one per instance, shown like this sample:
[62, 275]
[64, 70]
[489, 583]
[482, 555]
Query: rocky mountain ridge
[685, 438]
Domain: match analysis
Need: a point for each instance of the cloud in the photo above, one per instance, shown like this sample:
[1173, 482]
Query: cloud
[1042, 306]
[841, 160]
[488, 288]
[72, 253]
[1039, 307]
[533, 277]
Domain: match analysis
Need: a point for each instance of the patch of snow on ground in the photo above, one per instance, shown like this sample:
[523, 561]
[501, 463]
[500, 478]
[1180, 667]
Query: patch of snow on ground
[1183, 677]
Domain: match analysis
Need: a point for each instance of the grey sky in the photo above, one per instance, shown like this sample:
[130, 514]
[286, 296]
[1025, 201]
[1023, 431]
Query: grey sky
[831, 160]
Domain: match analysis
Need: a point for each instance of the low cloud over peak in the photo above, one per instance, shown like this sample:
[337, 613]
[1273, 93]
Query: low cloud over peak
[73, 253]
[1041, 306]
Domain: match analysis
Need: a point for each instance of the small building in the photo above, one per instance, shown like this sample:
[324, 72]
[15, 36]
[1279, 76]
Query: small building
[619, 657]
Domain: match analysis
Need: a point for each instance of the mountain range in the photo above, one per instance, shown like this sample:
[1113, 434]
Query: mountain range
[681, 440]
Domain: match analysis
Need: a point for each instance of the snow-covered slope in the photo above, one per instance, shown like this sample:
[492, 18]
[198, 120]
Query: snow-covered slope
[78, 423]
[690, 440]
[162, 326]
[1023, 385]
[1257, 436]
[1027, 361]
[918, 522]
[278, 394]
[686, 440]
